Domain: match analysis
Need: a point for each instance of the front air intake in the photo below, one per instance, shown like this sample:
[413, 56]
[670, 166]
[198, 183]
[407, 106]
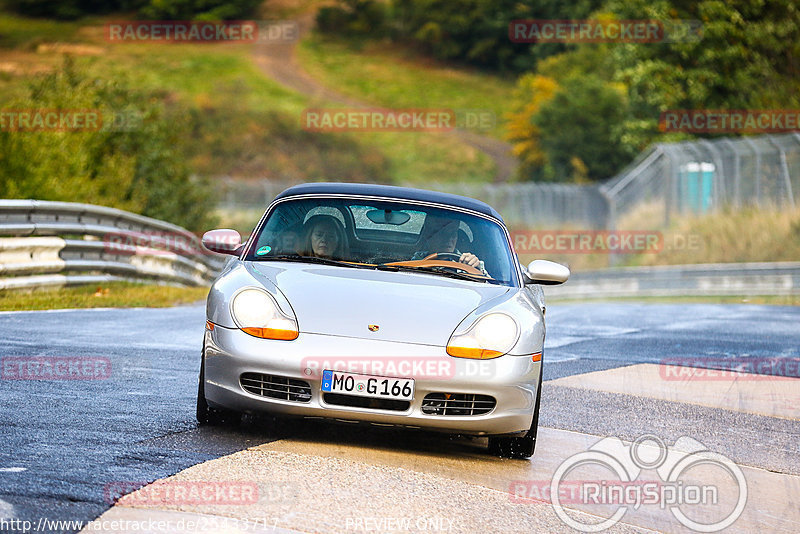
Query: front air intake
[457, 404]
[276, 387]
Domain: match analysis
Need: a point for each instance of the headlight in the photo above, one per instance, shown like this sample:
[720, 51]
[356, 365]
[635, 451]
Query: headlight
[256, 312]
[489, 337]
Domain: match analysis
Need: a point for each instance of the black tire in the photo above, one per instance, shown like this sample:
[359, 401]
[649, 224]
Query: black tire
[519, 447]
[206, 415]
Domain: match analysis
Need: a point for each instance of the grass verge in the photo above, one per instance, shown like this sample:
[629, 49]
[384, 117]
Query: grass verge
[386, 75]
[246, 125]
[27, 33]
[112, 295]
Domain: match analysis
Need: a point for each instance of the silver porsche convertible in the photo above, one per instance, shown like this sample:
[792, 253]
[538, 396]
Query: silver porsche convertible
[377, 304]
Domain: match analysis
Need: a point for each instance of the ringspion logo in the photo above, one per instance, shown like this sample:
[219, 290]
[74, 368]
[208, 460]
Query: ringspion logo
[686, 475]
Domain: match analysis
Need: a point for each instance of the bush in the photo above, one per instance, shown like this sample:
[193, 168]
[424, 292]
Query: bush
[476, 31]
[69, 9]
[581, 130]
[138, 166]
[149, 9]
[354, 17]
[198, 9]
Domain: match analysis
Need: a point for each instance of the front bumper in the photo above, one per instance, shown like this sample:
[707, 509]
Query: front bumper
[511, 380]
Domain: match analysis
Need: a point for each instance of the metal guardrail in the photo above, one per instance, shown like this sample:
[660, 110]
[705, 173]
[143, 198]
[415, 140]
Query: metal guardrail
[44, 243]
[711, 279]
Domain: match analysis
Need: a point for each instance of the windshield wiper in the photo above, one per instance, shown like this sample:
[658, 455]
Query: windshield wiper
[310, 259]
[438, 271]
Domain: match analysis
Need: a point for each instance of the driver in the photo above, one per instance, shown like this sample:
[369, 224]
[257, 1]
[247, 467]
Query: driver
[441, 235]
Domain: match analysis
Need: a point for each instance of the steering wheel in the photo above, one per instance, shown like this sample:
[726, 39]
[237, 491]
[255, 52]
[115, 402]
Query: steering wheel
[452, 256]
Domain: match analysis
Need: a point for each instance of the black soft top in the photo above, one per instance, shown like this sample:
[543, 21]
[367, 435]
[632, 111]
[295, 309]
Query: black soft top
[390, 192]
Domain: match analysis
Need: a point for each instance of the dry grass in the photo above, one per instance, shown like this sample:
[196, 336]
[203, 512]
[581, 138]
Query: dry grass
[732, 236]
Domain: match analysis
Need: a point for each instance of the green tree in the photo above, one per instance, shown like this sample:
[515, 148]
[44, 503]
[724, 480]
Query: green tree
[465, 31]
[198, 9]
[747, 55]
[69, 9]
[580, 130]
[137, 165]
[529, 95]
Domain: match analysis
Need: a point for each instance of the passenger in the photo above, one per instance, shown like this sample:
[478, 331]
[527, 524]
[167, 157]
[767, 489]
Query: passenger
[324, 238]
[441, 236]
[289, 240]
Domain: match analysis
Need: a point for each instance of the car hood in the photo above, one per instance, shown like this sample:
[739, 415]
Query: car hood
[406, 307]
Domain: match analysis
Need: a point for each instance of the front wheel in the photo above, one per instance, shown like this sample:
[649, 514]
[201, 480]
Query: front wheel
[206, 415]
[515, 446]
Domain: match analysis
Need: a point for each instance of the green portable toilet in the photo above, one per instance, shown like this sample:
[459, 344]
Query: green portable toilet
[696, 186]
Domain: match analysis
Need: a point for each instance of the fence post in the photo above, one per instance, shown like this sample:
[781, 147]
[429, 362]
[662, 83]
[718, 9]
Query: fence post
[757, 153]
[785, 169]
[719, 171]
[669, 200]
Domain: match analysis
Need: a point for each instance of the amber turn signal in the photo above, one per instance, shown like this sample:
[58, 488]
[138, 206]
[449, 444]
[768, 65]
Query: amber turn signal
[272, 333]
[474, 353]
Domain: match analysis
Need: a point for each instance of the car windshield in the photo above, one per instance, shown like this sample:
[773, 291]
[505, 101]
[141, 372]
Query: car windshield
[388, 235]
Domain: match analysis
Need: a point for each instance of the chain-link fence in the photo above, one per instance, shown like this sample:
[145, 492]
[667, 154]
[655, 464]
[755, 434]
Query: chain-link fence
[668, 178]
[706, 175]
[521, 204]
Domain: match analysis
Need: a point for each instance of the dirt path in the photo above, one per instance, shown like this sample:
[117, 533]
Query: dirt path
[279, 62]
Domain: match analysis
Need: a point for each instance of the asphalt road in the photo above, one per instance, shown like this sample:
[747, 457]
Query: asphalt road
[66, 442]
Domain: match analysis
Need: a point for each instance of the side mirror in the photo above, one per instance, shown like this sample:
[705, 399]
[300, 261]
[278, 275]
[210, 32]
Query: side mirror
[222, 241]
[547, 273]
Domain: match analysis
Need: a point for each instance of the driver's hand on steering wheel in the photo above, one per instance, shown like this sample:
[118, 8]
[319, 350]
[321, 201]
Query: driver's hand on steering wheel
[470, 259]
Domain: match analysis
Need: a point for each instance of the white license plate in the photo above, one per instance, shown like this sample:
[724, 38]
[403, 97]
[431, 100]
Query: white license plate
[368, 386]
